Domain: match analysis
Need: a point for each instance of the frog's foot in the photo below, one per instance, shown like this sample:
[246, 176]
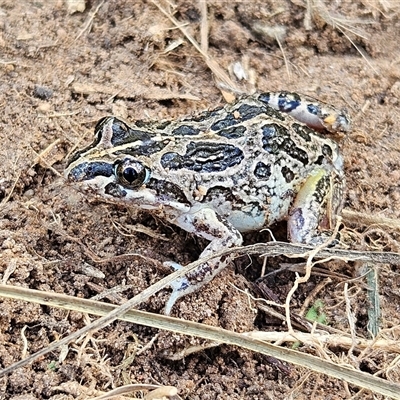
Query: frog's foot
[313, 214]
[193, 280]
[180, 287]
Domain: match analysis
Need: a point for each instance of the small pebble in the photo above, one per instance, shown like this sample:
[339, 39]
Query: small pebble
[29, 193]
[44, 107]
[42, 92]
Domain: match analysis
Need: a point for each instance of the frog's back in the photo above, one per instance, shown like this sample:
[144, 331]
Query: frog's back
[246, 161]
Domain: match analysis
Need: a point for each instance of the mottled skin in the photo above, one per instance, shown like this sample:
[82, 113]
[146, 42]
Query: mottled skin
[235, 169]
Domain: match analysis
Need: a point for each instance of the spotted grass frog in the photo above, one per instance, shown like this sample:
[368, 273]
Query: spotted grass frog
[268, 157]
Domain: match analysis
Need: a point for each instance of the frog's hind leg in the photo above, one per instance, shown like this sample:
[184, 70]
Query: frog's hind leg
[313, 214]
[314, 113]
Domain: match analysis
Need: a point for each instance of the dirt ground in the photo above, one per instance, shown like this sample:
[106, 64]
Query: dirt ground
[61, 71]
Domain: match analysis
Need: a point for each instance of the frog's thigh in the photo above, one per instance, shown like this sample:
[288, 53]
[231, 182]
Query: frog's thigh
[310, 213]
[206, 223]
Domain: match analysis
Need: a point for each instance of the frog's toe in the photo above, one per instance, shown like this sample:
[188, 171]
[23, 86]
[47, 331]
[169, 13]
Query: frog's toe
[179, 288]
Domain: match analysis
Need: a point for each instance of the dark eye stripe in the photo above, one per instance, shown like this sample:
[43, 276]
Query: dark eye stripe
[204, 157]
[89, 170]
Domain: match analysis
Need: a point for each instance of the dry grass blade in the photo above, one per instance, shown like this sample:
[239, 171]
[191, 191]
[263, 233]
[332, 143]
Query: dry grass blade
[306, 277]
[374, 309]
[90, 20]
[267, 249]
[204, 26]
[329, 339]
[220, 75]
[355, 377]
[367, 219]
[318, 8]
[157, 392]
[284, 57]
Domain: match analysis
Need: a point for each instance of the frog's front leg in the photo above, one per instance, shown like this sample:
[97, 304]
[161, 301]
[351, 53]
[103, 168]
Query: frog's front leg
[313, 214]
[206, 223]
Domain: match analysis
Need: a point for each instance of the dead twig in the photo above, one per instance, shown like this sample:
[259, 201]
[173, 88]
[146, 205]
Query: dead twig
[220, 75]
[352, 376]
[90, 20]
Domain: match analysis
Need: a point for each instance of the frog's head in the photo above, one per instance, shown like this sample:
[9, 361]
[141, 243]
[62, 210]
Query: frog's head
[110, 177]
[116, 167]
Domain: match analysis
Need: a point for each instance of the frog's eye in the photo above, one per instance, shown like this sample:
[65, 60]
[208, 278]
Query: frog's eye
[131, 173]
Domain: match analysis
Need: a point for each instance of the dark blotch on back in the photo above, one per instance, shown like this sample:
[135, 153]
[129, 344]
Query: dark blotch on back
[276, 139]
[162, 125]
[219, 195]
[262, 171]
[234, 132]
[204, 157]
[303, 131]
[142, 141]
[327, 151]
[203, 116]
[288, 174]
[248, 112]
[185, 130]
[244, 113]
[228, 121]
[122, 133]
[265, 97]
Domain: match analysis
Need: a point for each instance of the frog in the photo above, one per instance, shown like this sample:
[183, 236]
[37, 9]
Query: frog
[267, 157]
